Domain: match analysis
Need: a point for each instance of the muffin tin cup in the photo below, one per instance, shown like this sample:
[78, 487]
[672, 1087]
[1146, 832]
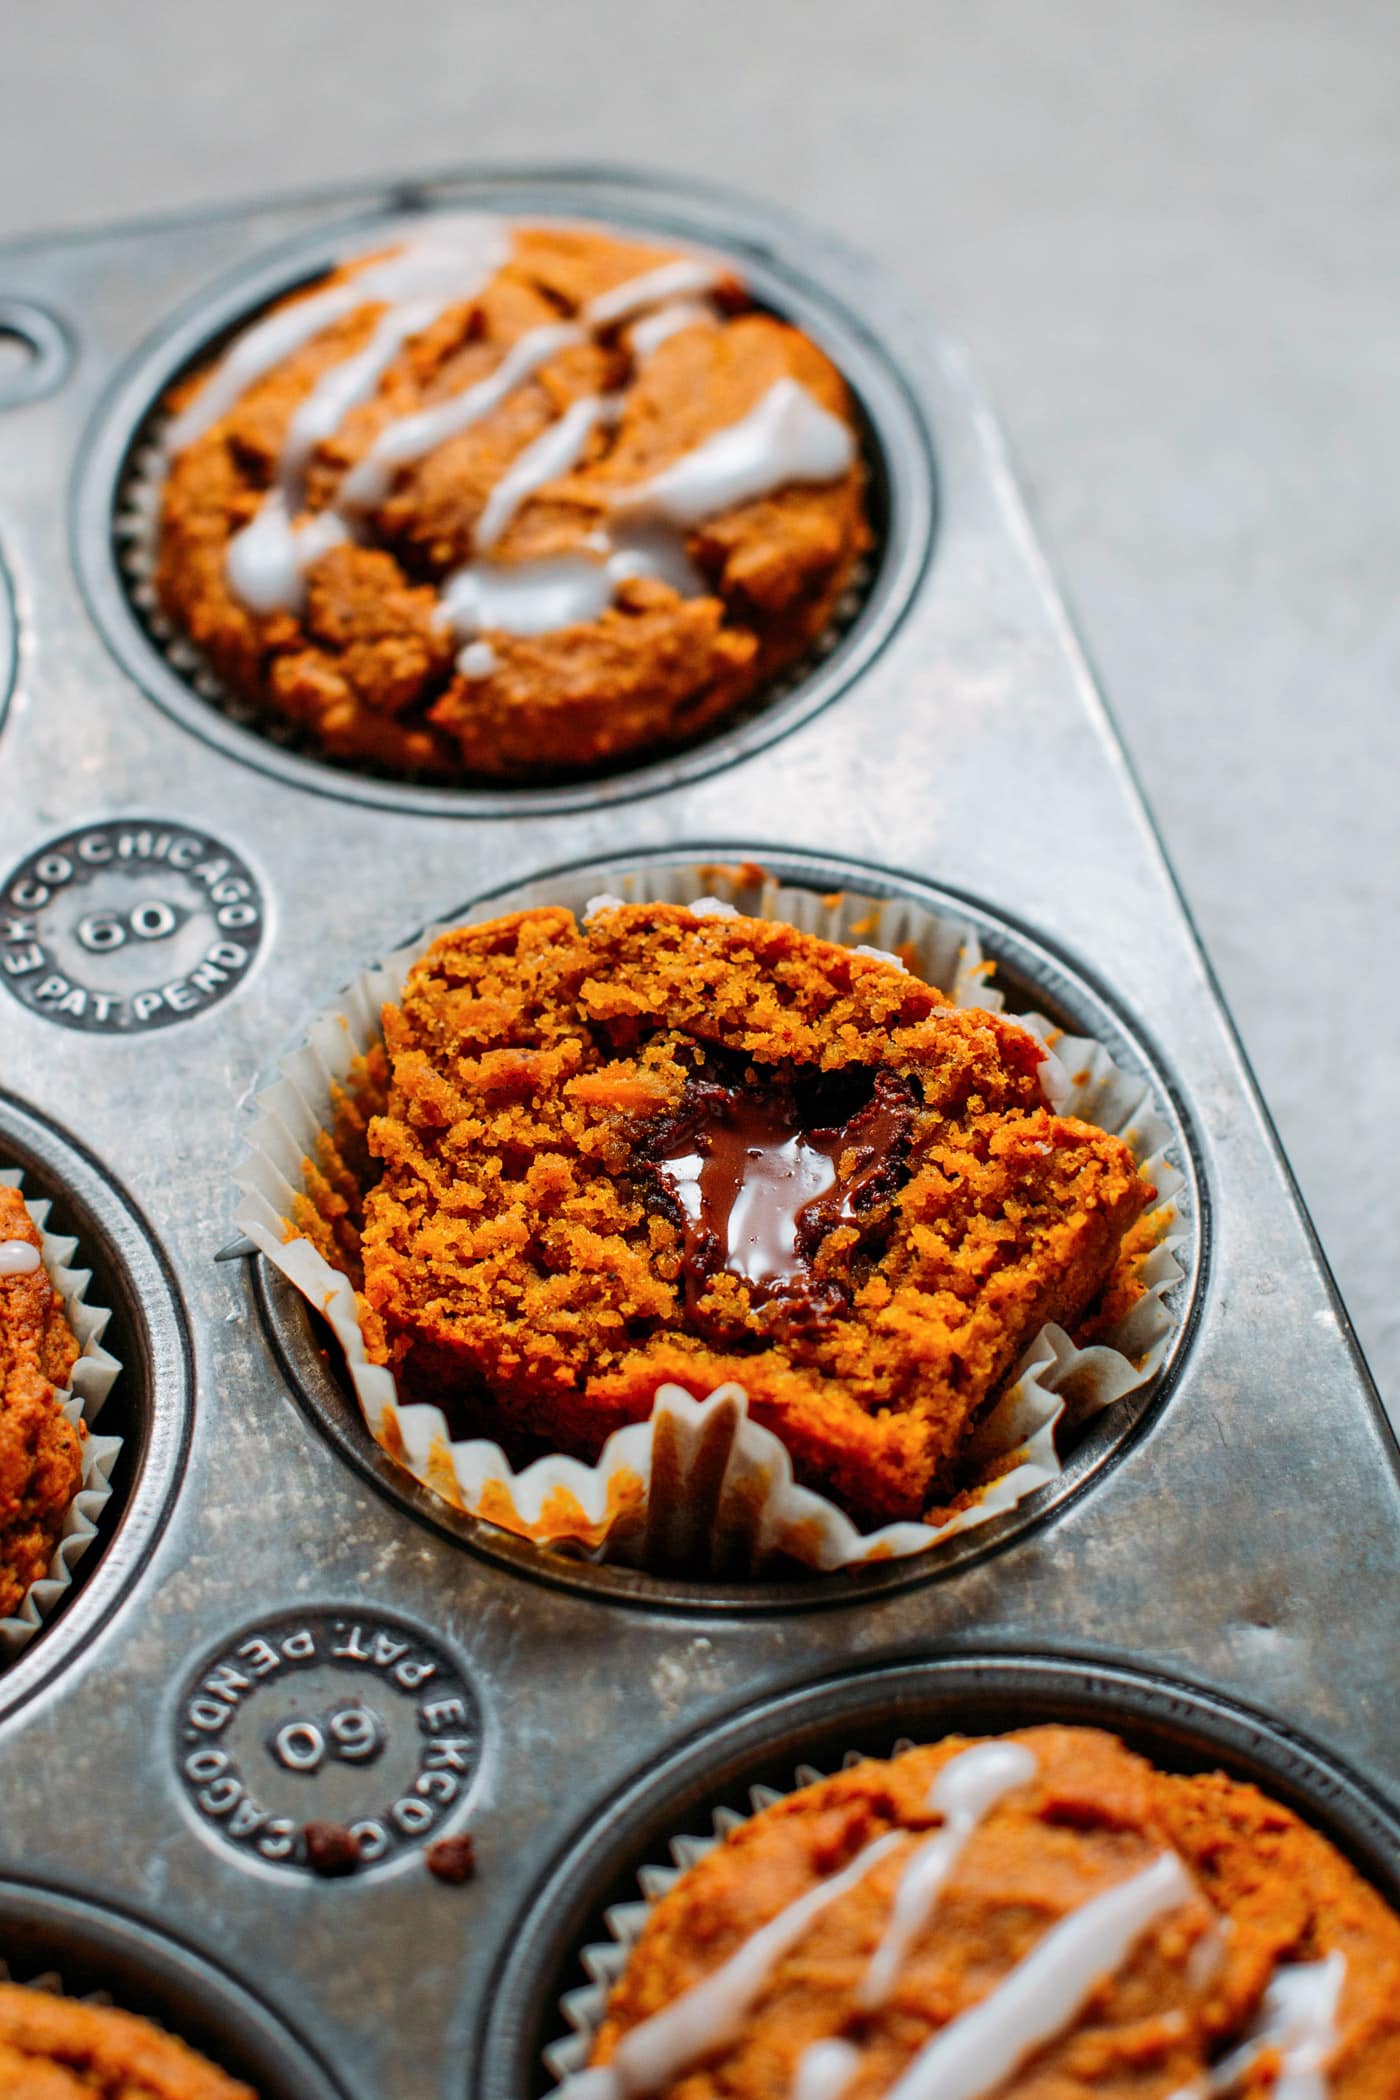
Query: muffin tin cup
[1171, 1724]
[868, 606]
[65, 1943]
[700, 1485]
[80, 1403]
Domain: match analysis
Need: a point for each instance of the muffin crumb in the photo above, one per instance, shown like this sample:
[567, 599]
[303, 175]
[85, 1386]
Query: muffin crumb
[332, 1849]
[57, 2048]
[452, 1859]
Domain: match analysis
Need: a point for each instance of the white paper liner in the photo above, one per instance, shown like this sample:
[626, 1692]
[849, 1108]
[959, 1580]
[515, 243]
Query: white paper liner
[81, 1400]
[51, 1982]
[603, 1961]
[729, 1501]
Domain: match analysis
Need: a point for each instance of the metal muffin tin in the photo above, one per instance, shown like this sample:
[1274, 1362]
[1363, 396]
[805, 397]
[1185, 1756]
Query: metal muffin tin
[1242, 1537]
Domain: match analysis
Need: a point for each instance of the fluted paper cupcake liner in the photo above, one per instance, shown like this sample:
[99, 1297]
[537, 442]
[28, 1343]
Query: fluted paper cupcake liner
[603, 1961]
[81, 1402]
[51, 1981]
[700, 1483]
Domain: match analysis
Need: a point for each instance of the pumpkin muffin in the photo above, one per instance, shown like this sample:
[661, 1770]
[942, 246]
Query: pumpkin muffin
[681, 1145]
[55, 2048]
[1037, 1916]
[510, 501]
[40, 1452]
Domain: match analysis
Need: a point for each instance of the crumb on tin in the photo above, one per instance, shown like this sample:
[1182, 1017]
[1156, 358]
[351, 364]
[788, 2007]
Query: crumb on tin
[332, 1849]
[452, 1859]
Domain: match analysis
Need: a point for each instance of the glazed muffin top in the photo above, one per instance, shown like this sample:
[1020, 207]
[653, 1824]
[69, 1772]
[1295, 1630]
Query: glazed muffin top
[40, 1453]
[1037, 1916]
[55, 2048]
[674, 1144]
[510, 499]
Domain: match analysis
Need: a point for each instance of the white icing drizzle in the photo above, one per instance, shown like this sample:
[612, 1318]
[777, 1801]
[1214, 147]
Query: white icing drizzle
[267, 561]
[604, 901]
[18, 1258]
[478, 660]
[713, 908]
[1208, 1953]
[673, 280]
[555, 451]
[787, 437]
[532, 597]
[965, 1791]
[448, 262]
[254, 355]
[825, 2070]
[1298, 2018]
[648, 334]
[881, 955]
[654, 550]
[409, 438]
[346, 385]
[657, 2050]
[974, 2053]
[537, 597]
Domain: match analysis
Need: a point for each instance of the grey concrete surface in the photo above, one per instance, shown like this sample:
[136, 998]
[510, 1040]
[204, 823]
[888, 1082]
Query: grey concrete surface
[1170, 235]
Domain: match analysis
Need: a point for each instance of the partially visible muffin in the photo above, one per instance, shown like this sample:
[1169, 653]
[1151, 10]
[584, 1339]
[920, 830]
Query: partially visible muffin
[54, 2048]
[1037, 1916]
[511, 500]
[676, 1145]
[41, 1454]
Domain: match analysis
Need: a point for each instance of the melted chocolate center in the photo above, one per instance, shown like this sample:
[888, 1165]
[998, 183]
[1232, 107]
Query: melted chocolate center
[754, 1176]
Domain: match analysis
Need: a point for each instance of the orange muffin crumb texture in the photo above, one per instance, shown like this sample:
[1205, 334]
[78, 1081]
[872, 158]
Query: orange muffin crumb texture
[666, 1147]
[54, 2048]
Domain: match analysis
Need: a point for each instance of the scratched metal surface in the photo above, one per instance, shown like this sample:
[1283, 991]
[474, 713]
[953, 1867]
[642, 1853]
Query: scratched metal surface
[1245, 1540]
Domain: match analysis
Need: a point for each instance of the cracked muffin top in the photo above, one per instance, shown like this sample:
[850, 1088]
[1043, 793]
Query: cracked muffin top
[510, 500]
[1037, 1916]
[40, 1453]
[681, 1145]
[55, 2048]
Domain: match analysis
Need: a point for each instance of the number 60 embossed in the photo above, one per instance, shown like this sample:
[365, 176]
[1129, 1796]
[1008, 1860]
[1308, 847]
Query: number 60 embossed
[352, 1734]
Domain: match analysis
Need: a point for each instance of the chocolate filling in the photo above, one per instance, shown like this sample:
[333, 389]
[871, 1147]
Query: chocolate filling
[755, 1175]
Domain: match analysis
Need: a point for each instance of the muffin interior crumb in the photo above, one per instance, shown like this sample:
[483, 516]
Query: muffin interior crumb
[666, 1146]
[55, 2048]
